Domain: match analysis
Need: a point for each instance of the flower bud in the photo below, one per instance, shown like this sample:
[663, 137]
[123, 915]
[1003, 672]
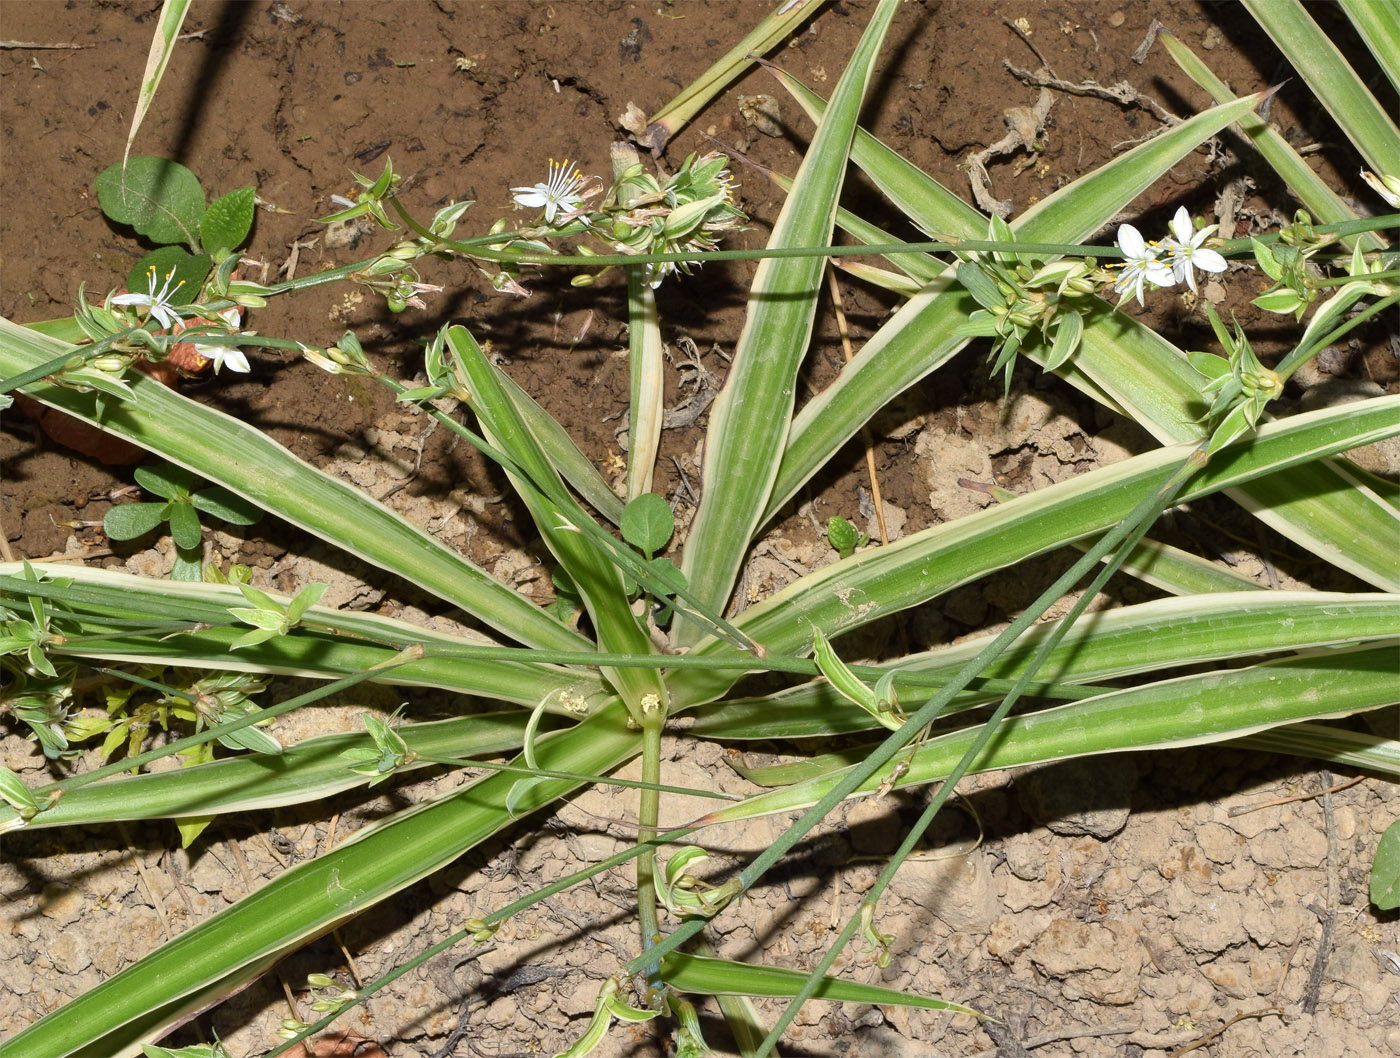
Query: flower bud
[1263, 382]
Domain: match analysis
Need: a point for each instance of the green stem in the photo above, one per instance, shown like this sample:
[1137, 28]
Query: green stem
[1305, 352]
[86, 353]
[648, 812]
[474, 248]
[545, 773]
[1341, 281]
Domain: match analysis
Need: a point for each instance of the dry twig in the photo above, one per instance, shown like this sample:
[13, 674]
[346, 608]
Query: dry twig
[1328, 915]
[865, 430]
[1122, 93]
[1240, 810]
[1214, 1033]
[26, 45]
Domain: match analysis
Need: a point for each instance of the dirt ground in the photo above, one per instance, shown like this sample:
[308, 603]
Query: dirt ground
[1134, 919]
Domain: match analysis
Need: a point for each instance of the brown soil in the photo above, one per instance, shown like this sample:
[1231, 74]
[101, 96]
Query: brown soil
[1128, 925]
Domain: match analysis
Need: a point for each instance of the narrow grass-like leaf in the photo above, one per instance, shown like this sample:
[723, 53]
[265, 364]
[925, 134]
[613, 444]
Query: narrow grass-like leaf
[1330, 77]
[781, 21]
[307, 771]
[1180, 572]
[1171, 568]
[750, 418]
[1379, 27]
[1101, 646]
[172, 17]
[331, 643]
[598, 580]
[1324, 742]
[646, 367]
[919, 267]
[567, 457]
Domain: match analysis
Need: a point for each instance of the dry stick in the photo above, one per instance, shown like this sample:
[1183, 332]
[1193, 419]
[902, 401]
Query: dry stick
[1007, 1045]
[1329, 915]
[31, 46]
[65, 556]
[173, 870]
[349, 959]
[865, 434]
[1139, 55]
[1122, 93]
[1287, 965]
[1152, 952]
[1114, 1028]
[307, 1045]
[335, 933]
[1240, 810]
[1026, 39]
[1216, 1032]
[5, 552]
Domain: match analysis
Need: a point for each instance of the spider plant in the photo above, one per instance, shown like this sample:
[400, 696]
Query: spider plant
[580, 699]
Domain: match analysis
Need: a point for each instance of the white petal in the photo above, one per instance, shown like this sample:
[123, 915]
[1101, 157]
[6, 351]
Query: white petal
[168, 317]
[531, 197]
[1204, 234]
[229, 356]
[133, 299]
[1130, 241]
[1208, 261]
[1181, 225]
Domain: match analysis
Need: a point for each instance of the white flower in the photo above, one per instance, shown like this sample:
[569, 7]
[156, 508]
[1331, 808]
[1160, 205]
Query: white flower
[1185, 253]
[564, 190]
[225, 355]
[156, 302]
[1141, 265]
[229, 356]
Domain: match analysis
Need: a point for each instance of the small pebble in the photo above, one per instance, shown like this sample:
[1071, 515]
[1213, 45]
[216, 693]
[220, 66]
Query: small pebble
[1117, 19]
